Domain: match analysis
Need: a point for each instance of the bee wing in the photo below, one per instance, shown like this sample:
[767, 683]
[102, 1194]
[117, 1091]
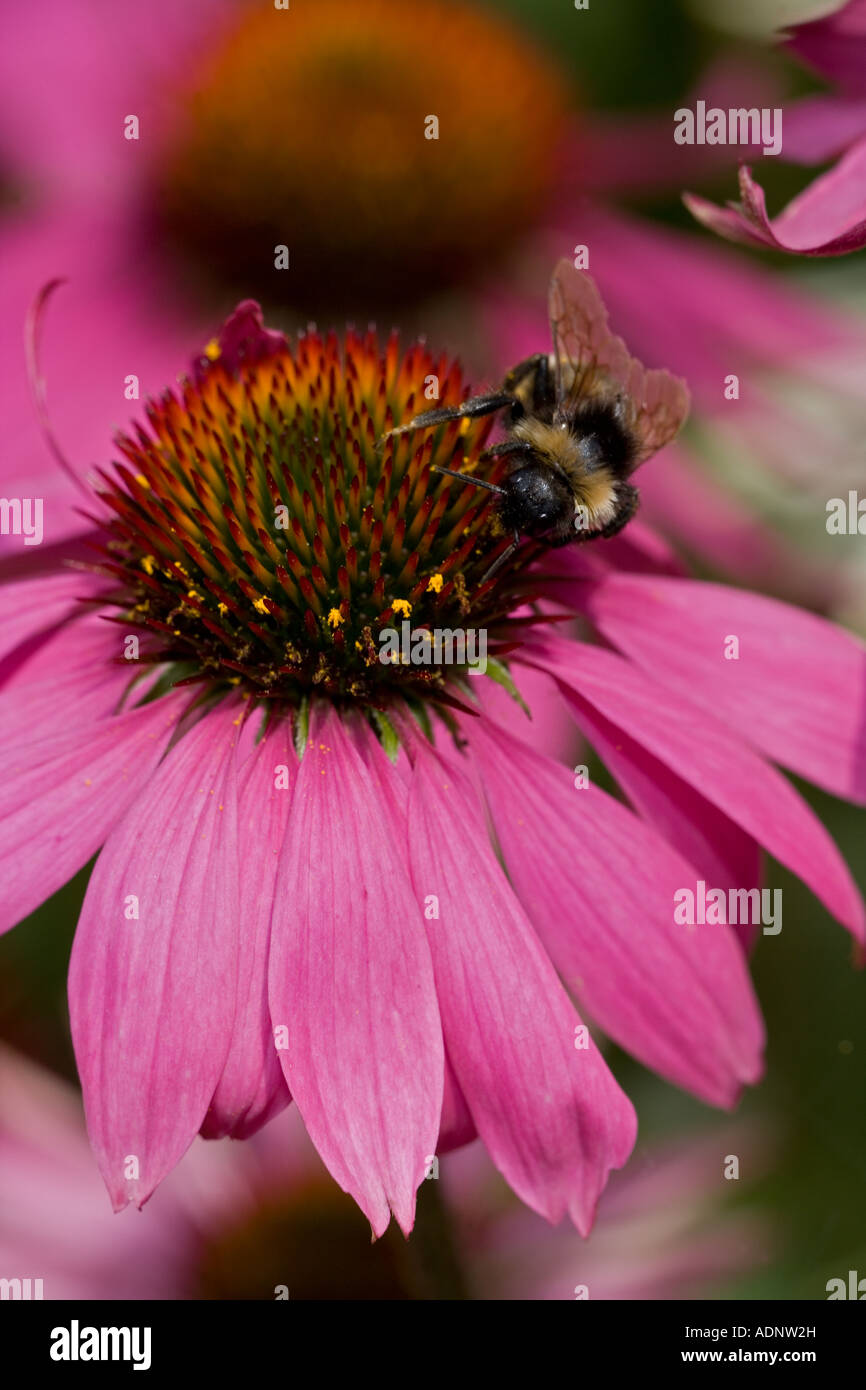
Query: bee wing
[656, 403]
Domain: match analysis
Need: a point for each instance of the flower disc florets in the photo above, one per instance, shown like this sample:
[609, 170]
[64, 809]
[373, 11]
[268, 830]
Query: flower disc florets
[265, 535]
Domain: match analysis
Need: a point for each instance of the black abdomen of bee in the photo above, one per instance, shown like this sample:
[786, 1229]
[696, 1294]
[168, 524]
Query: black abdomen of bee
[603, 437]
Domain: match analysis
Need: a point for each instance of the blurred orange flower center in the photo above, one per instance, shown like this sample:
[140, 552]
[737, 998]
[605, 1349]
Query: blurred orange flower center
[391, 146]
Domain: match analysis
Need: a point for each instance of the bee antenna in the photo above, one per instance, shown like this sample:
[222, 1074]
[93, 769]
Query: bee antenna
[468, 478]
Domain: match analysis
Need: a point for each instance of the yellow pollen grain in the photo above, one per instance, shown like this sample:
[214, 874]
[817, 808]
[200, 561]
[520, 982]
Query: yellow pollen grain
[222, 608]
[140, 478]
[260, 606]
[212, 350]
[148, 563]
[192, 594]
[335, 618]
[402, 605]
[434, 584]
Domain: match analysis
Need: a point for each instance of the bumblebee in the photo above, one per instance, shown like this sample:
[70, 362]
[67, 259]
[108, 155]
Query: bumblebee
[579, 421]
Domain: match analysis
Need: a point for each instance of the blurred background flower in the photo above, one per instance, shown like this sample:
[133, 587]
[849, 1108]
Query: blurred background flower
[240, 1220]
[829, 217]
[555, 131]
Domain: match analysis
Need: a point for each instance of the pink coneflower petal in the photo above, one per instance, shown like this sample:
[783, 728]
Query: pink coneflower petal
[822, 127]
[835, 44]
[252, 1088]
[73, 784]
[351, 981]
[827, 219]
[152, 996]
[598, 884]
[548, 720]
[32, 608]
[550, 1114]
[86, 656]
[724, 854]
[797, 691]
[718, 763]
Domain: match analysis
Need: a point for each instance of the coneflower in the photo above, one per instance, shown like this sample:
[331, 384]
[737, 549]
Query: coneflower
[337, 879]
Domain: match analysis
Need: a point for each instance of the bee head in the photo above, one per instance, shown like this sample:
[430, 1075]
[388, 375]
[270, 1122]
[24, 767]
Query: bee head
[535, 500]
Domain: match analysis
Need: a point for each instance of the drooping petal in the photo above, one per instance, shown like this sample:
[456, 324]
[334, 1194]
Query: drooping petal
[153, 974]
[797, 690]
[550, 1114]
[548, 721]
[83, 658]
[74, 786]
[351, 982]
[723, 854]
[827, 219]
[718, 763]
[598, 885]
[32, 608]
[252, 1088]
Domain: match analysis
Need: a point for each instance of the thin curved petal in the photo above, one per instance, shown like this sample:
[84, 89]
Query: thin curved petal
[116, 318]
[153, 974]
[351, 982]
[599, 885]
[549, 1113]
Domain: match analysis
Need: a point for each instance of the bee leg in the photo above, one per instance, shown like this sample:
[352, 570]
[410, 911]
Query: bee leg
[506, 447]
[473, 409]
[500, 561]
[628, 505]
